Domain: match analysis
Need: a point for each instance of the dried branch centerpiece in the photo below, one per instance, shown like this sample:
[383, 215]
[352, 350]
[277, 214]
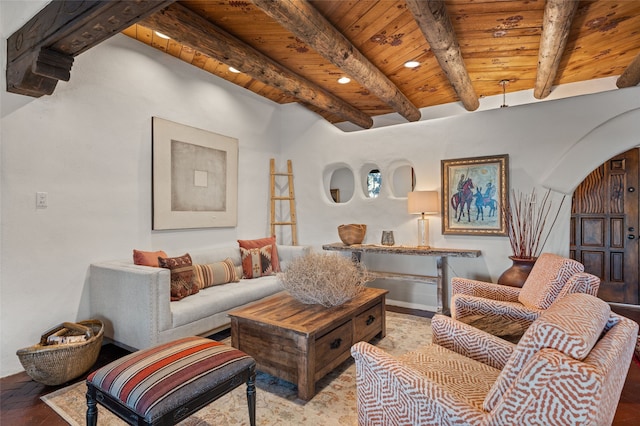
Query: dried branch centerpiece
[527, 230]
[325, 279]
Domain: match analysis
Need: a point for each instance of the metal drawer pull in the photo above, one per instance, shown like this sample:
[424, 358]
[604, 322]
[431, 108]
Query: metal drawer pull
[336, 343]
[371, 319]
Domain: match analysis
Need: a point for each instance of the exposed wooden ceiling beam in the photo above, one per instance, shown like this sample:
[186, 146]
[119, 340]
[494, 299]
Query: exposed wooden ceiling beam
[556, 25]
[434, 21]
[313, 29]
[41, 52]
[192, 30]
[631, 75]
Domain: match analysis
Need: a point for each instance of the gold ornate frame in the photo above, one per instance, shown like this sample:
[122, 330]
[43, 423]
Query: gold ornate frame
[478, 217]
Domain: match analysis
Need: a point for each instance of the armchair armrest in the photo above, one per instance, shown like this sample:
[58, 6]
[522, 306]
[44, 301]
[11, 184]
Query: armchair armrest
[483, 289]
[470, 341]
[463, 305]
[405, 393]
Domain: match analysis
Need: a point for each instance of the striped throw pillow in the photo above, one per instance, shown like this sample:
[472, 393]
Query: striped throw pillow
[215, 273]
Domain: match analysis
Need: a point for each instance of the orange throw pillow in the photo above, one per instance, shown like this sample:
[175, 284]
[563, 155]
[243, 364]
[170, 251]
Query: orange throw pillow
[261, 242]
[147, 258]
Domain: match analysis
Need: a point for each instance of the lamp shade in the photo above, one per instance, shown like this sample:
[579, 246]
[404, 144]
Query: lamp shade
[423, 202]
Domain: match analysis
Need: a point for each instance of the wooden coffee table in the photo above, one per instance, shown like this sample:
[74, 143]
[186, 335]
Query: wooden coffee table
[302, 343]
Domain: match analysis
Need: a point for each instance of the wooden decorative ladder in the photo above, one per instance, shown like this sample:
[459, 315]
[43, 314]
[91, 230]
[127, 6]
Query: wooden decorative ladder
[291, 198]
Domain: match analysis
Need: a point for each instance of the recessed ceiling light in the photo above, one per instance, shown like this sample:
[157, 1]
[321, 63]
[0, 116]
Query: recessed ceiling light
[233, 70]
[344, 80]
[164, 36]
[411, 64]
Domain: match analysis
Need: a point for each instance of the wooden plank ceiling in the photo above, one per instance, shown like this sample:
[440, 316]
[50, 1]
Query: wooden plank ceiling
[298, 49]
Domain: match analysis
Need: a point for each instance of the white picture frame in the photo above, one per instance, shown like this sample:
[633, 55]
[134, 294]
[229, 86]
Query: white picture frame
[195, 177]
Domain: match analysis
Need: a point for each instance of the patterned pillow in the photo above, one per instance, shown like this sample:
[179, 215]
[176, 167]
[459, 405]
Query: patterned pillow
[215, 273]
[147, 258]
[256, 262]
[572, 326]
[261, 242]
[182, 282]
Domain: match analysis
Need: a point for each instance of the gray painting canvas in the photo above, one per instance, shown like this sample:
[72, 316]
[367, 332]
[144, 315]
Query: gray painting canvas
[198, 178]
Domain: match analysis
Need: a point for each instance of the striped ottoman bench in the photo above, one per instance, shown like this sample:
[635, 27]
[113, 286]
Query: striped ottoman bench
[167, 383]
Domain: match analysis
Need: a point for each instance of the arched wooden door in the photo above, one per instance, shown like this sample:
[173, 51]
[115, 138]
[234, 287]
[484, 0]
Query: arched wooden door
[605, 230]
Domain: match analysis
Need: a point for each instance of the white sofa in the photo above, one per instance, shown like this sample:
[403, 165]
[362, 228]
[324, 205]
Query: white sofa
[134, 301]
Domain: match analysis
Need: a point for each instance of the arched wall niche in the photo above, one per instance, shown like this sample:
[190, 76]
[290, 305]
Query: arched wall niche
[402, 178]
[339, 183]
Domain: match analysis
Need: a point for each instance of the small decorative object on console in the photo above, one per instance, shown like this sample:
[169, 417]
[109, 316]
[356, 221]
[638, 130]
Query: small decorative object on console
[325, 279]
[352, 233]
[387, 238]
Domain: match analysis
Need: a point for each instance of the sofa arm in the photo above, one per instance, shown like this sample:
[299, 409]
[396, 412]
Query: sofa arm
[287, 253]
[470, 341]
[484, 289]
[391, 392]
[133, 301]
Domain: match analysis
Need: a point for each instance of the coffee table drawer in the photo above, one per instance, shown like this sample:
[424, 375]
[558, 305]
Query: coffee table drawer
[368, 323]
[330, 346]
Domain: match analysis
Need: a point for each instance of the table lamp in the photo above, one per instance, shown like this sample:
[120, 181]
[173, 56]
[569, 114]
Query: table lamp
[423, 202]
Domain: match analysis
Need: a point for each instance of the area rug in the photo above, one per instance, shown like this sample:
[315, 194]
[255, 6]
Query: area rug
[277, 402]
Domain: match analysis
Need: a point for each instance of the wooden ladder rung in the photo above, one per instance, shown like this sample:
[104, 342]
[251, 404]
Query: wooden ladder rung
[291, 199]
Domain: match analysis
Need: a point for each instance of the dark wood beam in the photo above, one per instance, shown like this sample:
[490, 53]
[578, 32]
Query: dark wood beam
[631, 75]
[192, 30]
[313, 29]
[556, 25]
[41, 52]
[434, 21]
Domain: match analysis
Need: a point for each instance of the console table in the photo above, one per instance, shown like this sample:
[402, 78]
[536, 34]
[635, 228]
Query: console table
[440, 254]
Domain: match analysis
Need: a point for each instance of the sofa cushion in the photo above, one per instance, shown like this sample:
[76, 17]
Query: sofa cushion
[182, 282]
[147, 258]
[222, 298]
[256, 262]
[215, 273]
[261, 242]
[572, 325]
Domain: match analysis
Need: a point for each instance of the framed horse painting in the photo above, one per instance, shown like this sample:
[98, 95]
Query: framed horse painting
[474, 191]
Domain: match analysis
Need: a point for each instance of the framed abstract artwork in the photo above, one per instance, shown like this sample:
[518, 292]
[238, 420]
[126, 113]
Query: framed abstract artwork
[195, 177]
[474, 191]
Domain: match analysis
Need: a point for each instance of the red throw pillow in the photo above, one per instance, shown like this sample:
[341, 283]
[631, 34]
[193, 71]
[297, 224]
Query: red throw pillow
[182, 282]
[147, 258]
[261, 242]
[256, 262]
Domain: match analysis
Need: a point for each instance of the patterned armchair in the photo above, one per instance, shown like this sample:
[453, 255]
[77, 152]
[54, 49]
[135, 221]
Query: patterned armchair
[552, 277]
[568, 368]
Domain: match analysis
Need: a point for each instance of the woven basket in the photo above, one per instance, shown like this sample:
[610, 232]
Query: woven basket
[57, 364]
[352, 233]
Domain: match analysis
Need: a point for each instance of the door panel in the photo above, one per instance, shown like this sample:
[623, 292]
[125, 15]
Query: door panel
[604, 227]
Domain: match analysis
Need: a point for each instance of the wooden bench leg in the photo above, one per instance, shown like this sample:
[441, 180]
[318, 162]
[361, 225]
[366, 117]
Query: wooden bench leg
[92, 409]
[251, 397]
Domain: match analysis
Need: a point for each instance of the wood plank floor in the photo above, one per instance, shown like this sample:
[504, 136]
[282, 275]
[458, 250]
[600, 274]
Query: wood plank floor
[20, 402]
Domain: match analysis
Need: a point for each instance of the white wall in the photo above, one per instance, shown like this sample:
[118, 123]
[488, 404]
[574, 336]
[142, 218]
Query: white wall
[89, 146]
[552, 144]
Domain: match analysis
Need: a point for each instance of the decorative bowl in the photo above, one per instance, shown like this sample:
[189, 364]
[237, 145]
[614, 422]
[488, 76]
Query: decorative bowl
[352, 233]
